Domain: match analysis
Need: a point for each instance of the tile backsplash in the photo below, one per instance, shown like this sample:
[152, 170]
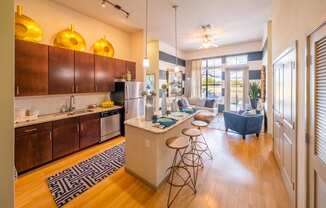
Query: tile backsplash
[53, 103]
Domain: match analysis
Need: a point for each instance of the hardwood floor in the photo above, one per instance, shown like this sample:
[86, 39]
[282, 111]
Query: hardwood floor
[242, 174]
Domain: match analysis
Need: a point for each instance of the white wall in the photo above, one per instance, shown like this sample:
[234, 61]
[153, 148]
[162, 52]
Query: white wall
[293, 20]
[6, 104]
[268, 62]
[53, 17]
[224, 50]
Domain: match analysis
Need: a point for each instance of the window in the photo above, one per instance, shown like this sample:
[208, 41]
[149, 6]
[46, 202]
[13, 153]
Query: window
[212, 80]
[233, 60]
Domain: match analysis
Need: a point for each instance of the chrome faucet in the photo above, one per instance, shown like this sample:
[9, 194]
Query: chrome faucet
[71, 103]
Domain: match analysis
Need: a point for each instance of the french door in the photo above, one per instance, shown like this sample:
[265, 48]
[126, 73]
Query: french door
[284, 110]
[236, 90]
[316, 101]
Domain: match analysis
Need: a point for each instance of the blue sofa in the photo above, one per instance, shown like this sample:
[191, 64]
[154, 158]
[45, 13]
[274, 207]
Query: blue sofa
[243, 124]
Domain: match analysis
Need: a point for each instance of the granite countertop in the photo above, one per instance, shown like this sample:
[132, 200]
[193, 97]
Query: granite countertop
[59, 116]
[140, 122]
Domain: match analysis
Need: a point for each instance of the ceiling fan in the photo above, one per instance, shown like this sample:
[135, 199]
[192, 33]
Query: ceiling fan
[207, 37]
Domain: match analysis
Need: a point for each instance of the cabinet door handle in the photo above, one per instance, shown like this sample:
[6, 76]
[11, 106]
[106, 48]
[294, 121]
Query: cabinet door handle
[81, 127]
[50, 135]
[17, 90]
[30, 130]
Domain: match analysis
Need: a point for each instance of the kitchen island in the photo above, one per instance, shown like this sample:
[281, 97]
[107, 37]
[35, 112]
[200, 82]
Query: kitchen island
[147, 155]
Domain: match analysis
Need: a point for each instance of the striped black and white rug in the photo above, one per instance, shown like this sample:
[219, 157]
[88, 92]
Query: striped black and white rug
[68, 184]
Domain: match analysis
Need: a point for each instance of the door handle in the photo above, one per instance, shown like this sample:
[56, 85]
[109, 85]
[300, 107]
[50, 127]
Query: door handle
[50, 135]
[17, 90]
[30, 130]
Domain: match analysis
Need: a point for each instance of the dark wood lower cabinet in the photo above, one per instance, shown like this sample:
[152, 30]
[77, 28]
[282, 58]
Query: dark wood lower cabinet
[90, 131]
[65, 137]
[33, 146]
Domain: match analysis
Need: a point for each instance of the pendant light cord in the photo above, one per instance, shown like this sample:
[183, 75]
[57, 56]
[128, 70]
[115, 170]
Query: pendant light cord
[175, 35]
[146, 28]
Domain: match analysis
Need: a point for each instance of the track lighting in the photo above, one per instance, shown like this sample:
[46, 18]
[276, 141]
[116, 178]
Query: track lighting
[118, 7]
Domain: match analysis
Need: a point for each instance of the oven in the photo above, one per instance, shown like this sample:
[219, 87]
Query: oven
[110, 124]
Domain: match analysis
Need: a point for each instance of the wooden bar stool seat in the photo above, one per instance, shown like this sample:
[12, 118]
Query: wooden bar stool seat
[177, 142]
[191, 132]
[199, 124]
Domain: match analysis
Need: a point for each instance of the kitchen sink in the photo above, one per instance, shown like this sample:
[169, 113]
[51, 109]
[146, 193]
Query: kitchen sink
[76, 112]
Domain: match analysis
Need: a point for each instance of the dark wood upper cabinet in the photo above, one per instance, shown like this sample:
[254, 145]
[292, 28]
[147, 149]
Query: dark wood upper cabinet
[31, 69]
[131, 66]
[65, 137]
[84, 72]
[90, 130]
[120, 69]
[61, 71]
[104, 74]
[33, 146]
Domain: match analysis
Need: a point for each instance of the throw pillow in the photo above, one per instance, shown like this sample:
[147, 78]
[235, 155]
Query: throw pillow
[210, 103]
[182, 104]
[249, 113]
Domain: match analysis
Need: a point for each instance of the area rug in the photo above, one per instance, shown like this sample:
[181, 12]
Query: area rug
[68, 184]
[217, 123]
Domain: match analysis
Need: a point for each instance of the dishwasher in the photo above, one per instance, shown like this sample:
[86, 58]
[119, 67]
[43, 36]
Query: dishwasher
[110, 124]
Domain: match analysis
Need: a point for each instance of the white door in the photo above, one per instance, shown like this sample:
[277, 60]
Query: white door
[236, 90]
[317, 118]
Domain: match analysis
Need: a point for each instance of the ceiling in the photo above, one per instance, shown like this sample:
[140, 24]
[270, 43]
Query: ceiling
[232, 21]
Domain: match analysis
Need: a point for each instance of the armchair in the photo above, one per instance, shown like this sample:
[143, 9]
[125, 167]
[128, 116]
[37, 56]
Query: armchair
[243, 124]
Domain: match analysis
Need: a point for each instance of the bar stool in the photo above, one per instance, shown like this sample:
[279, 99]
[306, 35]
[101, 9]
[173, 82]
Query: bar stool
[192, 158]
[205, 150]
[179, 176]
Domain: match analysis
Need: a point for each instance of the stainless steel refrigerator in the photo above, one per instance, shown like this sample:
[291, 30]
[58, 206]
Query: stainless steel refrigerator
[129, 95]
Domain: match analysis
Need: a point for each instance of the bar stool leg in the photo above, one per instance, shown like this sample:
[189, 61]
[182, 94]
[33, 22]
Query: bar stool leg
[171, 177]
[194, 166]
[208, 151]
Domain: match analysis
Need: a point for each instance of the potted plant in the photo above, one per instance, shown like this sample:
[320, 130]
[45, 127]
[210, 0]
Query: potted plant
[254, 93]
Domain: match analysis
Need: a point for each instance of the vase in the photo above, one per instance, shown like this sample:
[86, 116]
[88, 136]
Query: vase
[149, 112]
[253, 103]
[163, 104]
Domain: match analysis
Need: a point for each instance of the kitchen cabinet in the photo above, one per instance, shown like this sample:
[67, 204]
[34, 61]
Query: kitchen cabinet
[65, 137]
[61, 71]
[120, 69]
[131, 66]
[31, 69]
[33, 146]
[84, 72]
[90, 130]
[104, 74]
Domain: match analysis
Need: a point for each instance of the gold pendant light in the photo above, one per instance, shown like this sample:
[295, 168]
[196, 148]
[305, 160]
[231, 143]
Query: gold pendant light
[71, 39]
[103, 47]
[26, 28]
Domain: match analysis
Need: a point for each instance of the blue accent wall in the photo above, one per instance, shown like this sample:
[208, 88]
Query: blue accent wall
[254, 74]
[170, 59]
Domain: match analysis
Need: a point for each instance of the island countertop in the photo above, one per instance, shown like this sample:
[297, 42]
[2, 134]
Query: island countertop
[141, 123]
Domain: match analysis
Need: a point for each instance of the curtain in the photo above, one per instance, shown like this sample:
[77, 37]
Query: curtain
[196, 78]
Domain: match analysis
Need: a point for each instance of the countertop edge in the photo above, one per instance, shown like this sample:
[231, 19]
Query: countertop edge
[161, 131]
[52, 117]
